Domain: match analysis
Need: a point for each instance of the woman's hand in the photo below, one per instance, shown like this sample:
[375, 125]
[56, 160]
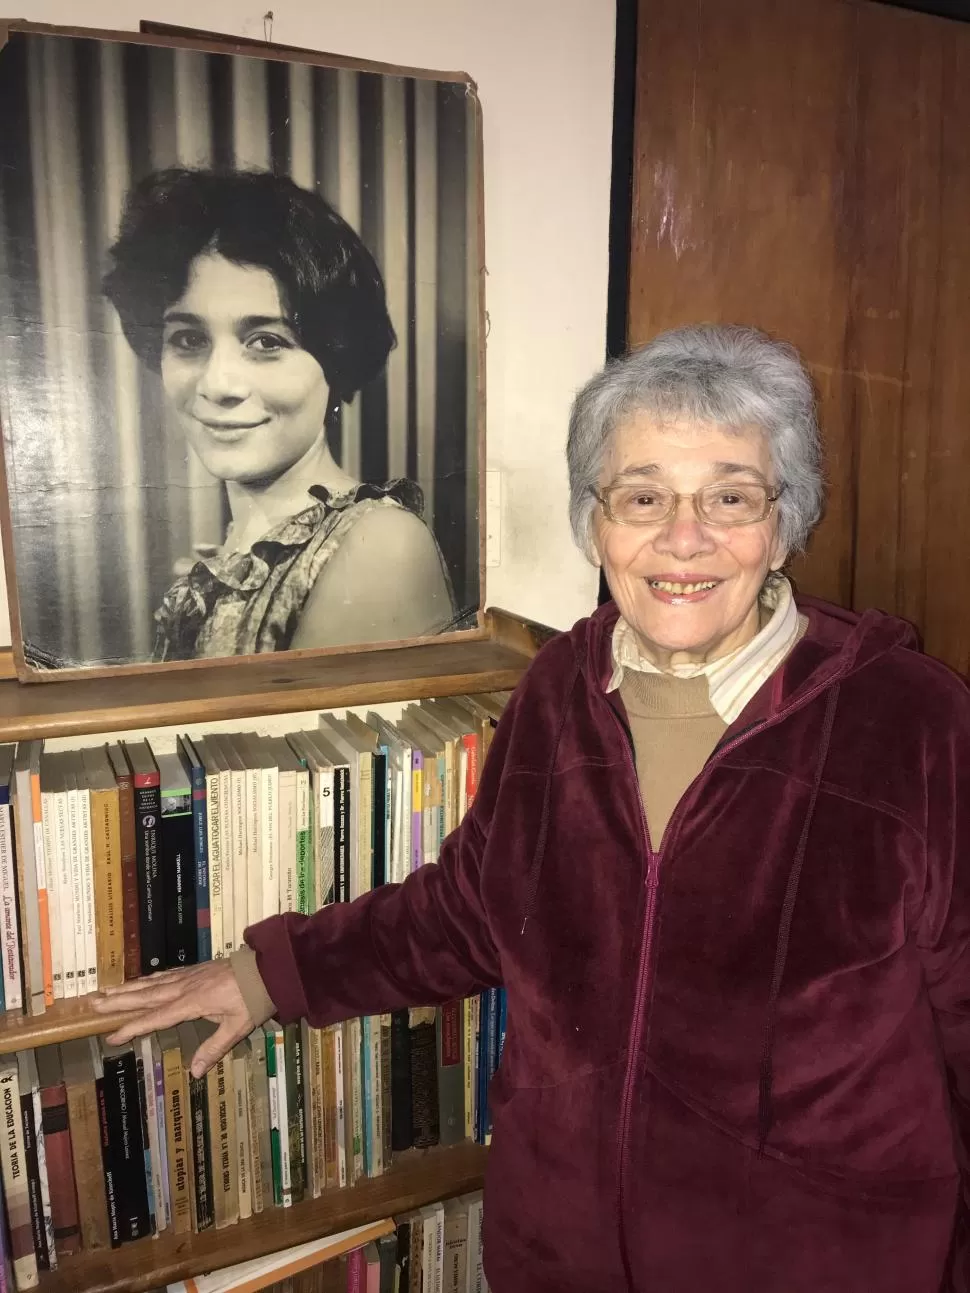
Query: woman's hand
[208, 991]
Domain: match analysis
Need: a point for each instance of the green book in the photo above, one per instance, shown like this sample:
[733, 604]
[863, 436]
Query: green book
[270, 1031]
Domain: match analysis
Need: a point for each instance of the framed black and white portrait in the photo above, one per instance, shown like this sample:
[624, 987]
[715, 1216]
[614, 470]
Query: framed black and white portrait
[241, 351]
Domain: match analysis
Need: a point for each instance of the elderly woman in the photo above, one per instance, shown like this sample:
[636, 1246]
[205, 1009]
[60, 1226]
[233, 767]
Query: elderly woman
[719, 860]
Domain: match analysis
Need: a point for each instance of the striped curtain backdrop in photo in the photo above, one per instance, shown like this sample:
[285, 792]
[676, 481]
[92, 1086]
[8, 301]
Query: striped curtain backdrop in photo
[106, 500]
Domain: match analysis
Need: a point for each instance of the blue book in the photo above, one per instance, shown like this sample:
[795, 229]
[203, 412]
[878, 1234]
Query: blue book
[195, 770]
[503, 1006]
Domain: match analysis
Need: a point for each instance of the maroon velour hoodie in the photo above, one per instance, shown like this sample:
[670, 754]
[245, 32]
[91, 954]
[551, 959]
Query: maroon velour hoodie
[739, 1061]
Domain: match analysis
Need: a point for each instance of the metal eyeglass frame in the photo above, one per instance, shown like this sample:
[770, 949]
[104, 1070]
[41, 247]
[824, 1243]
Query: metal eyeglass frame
[771, 498]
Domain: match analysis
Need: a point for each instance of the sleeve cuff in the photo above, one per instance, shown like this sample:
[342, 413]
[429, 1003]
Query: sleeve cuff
[258, 1001]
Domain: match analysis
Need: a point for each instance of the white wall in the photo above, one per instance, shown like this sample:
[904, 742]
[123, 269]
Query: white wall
[544, 69]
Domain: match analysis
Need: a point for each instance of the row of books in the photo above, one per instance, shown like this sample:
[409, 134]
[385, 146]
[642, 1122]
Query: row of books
[103, 1145]
[435, 1250]
[119, 860]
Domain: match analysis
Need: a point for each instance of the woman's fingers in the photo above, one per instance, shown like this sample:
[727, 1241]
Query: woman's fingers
[119, 998]
[213, 1048]
[166, 1015]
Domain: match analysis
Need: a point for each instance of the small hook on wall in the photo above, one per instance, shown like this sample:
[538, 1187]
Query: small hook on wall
[268, 26]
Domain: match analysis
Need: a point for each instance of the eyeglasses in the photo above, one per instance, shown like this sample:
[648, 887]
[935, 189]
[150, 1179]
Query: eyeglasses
[723, 504]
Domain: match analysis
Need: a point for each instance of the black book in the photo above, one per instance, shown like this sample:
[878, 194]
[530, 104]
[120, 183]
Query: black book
[178, 862]
[341, 834]
[151, 897]
[295, 1111]
[379, 865]
[402, 1125]
[123, 1147]
[189, 1040]
[424, 1078]
[402, 1259]
[31, 1161]
[387, 1252]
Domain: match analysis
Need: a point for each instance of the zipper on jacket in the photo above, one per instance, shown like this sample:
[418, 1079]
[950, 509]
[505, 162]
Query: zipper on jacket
[654, 859]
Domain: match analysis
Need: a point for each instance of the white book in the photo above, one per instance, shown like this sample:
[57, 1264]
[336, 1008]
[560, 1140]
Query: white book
[433, 1248]
[159, 1080]
[475, 1276]
[9, 930]
[77, 876]
[306, 885]
[287, 825]
[14, 1170]
[244, 1159]
[65, 883]
[269, 828]
[87, 881]
[352, 1062]
[240, 871]
[49, 783]
[245, 745]
[374, 1050]
[151, 1122]
[227, 848]
[213, 822]
[340, 1119]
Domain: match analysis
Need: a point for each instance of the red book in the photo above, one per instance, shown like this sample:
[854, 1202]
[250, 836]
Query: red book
[356, 1272]
[129, 861]
[57, 1147]
[470, 742]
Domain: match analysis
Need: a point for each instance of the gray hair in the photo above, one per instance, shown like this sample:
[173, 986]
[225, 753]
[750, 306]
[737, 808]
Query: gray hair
[737, 377]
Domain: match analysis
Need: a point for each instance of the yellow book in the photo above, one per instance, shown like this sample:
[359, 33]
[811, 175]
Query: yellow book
[178, 1132]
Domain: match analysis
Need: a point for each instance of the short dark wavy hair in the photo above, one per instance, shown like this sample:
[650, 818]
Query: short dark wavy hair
[329, 281]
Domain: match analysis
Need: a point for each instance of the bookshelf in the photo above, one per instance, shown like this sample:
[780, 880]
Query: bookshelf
[416, 1178]
[492, 661]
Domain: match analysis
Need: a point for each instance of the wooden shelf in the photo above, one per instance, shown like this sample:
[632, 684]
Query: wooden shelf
[278, 684]
[61, 1022]
[416, 1178]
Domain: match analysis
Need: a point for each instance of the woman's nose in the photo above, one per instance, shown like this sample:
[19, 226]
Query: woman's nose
[683, 535]
[223, 378]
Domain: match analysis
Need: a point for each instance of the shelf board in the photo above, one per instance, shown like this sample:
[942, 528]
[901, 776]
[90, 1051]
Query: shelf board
[275, 685]
[416, 1178]
[61, 1022]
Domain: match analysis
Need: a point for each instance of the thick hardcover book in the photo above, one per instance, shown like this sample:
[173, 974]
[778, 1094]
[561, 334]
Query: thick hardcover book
[38, 987]
[122, 1146]
[402, 1127]
[131, 906]
[28, 1089]
[151, 884]
[189, 1039]
[451, 1074]
[15, 1187]
[177, 842]
[424, 1077]
[178, 1132]
[80, 1081]
[58, 1151]
[13, 993]
[195, 768]
[108, 868]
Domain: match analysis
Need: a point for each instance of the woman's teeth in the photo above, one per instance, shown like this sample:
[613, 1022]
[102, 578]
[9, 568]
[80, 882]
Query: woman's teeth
[681, 590]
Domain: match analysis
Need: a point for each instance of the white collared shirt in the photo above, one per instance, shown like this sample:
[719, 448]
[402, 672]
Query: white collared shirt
[734, 678]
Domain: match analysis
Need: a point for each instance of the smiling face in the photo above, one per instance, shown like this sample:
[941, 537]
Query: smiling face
[652, 571]
[250, 399]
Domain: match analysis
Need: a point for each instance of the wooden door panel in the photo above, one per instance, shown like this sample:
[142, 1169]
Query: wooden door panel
[804, 167]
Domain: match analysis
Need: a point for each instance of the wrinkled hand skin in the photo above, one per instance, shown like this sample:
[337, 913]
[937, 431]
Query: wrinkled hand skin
[159, 1001]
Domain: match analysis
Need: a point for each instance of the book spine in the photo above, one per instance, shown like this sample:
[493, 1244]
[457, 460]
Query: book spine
[126, 1149]
[108, 1163]
[305, 882]
[65, 893]
[367, 1092]
[262, 1140]
[200, 819]
[161, 1140]
[282, 1091]
[146, 1153]
[12, 987]
[471, 768]
[76, 853]
[352, 1055]
[201, 1153]
[131, 904]
[108, 886]
[468, 1040]
[296, 1110]
[341, 834]
[82, 1116]
[274, 1119]
[324, 860]
[178, 871]
[315, 1168]
[60, 1169]
[43, 895]
[45, 1193]
[254, 870]
[213, 820]
[417, 809]
[177, 1129]
[88, 887]
[269, 841]
[287, 831]
[451, 1077]
[151, 900]
[240, 859]
[340, 1104]
[15, 1188]
[402, 1131]
[476, 1275]
[153, 1156]
[25, 872]
[373, 1024]
[255, 1112]
[244, 1161]
[424, 1080]
[32, 1170]
[385, 1090]
[328, 1108]
[222, 1112]
[227, 819]
[365, 822]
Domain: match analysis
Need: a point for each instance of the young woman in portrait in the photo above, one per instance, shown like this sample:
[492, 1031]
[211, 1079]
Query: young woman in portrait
[263, 312]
